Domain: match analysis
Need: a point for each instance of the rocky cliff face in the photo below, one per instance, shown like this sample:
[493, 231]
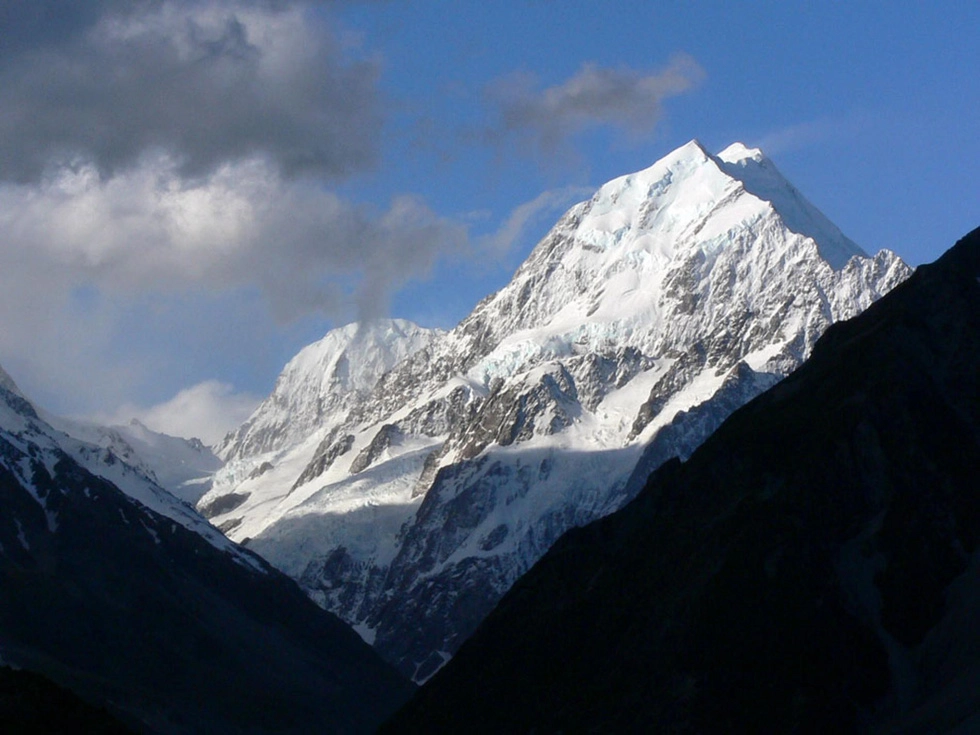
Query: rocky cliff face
[812, 567]
[638, 323]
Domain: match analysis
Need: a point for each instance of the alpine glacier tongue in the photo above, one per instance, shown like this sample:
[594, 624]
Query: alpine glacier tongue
[641, 320]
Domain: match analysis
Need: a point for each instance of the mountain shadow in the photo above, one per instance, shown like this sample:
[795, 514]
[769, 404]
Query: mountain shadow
[32, 704]
[813, 567]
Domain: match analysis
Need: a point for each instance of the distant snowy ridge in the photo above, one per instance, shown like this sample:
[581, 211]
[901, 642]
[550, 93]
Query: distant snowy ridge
[105, 453]
[641, 320]
[183, 467]
[322, 381]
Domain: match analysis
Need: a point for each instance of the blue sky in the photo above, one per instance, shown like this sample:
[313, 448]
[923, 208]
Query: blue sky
[192, 191]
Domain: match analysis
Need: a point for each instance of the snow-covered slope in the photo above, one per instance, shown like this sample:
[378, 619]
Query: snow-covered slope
[109, 456]
[322, 382]
[645, 316]
[133, 612]
[182, 467]
[314, 396]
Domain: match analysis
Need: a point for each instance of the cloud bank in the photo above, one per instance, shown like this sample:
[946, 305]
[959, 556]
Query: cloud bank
[304, 247]
[167, 152]
[206, 82]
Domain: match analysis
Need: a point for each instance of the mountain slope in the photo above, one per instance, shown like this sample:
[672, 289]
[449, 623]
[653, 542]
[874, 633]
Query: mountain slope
[30, 703]
[635, 326]
[322, 381]
[182, 467]
[136, 613]
[132, 458]
[811, 567]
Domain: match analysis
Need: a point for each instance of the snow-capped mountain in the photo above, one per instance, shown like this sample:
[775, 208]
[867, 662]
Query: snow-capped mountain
[323, 382]
[172, 630]
[182, 467]
[313, 396]
[642, 319]
[105, 453]
[811, 568]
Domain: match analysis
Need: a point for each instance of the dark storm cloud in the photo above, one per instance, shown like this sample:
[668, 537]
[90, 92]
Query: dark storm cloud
[208, 83]
[30, 24]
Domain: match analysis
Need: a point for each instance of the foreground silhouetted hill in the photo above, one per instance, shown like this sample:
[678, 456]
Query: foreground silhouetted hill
[812, 568]
[30, 703]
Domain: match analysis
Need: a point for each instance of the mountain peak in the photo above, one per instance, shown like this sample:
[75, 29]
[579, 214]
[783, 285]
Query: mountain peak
[808, 568]
[12, 396]
[739, 152]
[762, 179]
[708, 180]
[324, 377]
[693, 149]
[7, 383]
[354, 356]
[645, 316]
[665, 225]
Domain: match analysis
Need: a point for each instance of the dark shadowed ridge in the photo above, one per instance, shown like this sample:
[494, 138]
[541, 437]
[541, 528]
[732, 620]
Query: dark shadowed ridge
[813, 567]
[148, 620]
[31, 703]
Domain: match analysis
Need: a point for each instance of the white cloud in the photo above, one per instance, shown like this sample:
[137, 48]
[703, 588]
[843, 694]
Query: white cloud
[621, 98]
[302, 246]
[807, 134]
[208, 411]
[501, 242]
